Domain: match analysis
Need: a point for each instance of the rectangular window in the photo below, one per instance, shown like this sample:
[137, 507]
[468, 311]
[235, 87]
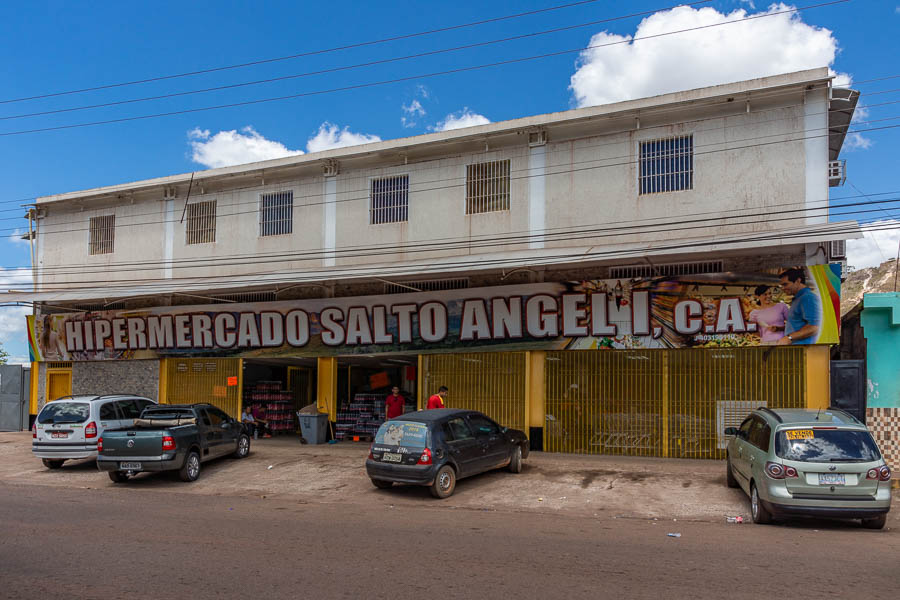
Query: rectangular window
[666, 165]
[201, 223]
[487, 187]
[103, 234]
[389, 200]
[276, 213]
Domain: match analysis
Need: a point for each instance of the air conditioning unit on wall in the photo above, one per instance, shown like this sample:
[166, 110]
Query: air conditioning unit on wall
[838, 249]
[837, 172]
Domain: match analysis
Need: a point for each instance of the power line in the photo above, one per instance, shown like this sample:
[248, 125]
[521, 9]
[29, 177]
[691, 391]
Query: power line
[338, 69]
[547, 232]
[564, 171]
[163, 286]
[407, 78]
[303, 54]
[600, 231]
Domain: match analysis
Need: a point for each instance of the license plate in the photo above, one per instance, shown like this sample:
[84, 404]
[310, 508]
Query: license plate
[130, 466]
[831, 479]
[390, 457]
[57, 435]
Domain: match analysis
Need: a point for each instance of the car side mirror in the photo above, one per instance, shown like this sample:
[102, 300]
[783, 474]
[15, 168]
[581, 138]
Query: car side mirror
[732, 431]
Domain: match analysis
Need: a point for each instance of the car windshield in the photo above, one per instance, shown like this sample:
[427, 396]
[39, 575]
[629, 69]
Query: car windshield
[826, 445]
[402, 433]
[64, 412]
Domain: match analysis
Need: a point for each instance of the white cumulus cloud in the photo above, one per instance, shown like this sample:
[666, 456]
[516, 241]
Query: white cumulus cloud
[411, 111]
[460, 119]
[332, 136]
[735, 52]
[12, 318]
[233, 147]
[876, 246]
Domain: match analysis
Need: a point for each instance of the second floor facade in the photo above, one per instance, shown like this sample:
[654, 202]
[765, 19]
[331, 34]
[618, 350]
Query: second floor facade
[736, 162]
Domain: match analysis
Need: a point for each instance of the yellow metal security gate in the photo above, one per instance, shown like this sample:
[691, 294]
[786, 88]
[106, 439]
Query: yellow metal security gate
[673, 403]
[214, 380]
[492, 382]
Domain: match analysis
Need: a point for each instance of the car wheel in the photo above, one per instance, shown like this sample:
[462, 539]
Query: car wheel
[52, 464]
[760, 515]
[190, 471]
[444, 482]
[243, 447]
[875, 522]
[730, 481]
[515, 462]
[381, 484]
[118, 476]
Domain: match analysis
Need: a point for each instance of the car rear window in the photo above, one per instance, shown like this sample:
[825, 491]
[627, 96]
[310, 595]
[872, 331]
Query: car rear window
[65, 412]
[167, 413]
[826, 445]
[402, 433]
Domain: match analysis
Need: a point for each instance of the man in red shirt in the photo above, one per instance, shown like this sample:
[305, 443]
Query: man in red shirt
[393, 405]
[437, 401]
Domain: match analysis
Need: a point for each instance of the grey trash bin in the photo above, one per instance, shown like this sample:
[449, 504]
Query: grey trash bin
[314, 428]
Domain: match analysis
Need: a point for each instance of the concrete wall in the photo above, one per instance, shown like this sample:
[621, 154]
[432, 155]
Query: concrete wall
[140, 377]
[880, 320]
[579, 180]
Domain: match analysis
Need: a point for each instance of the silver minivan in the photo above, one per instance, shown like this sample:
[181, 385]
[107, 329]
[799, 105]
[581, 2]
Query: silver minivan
[68, 428]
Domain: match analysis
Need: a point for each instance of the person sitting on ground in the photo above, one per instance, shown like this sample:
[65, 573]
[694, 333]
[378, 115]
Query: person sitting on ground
[254, 424]
[259, 414]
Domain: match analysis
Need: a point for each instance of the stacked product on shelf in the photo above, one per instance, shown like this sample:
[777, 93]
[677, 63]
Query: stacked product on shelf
[362, 417]
[276, 404]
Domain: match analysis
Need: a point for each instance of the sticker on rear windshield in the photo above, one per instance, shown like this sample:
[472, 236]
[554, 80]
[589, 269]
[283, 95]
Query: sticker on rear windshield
[402, 434]
[800, 434]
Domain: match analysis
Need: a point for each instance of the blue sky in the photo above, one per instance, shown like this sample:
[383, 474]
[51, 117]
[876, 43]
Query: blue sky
[53, 47]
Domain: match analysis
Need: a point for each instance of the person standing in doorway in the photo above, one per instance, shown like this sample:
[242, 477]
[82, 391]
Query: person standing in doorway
[437, 401]
[393, 404]
[805, 315]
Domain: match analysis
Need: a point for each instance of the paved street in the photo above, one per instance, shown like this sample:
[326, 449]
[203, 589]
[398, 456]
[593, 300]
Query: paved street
[128, 543]
[568, 526]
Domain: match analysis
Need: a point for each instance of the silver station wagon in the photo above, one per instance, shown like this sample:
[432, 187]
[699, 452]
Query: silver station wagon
[804, 462]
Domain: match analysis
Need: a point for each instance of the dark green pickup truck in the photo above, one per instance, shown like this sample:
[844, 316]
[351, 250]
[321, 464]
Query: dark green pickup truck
[175, 437]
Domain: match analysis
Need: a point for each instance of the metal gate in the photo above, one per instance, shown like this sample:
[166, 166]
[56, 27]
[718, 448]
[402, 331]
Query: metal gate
[492, 382]
[13, 395]
[848, 387]
[213, 380]
[59, 380]
[670, 403]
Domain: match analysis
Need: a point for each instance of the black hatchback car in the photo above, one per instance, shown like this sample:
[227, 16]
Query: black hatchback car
[437, 447]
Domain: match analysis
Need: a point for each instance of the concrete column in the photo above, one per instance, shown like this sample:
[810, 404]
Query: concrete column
[329, 221]
[537, 186]
[818, 382]
[326, 387]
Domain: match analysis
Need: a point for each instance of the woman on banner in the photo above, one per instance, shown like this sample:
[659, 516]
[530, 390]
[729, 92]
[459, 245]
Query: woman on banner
[770, 317]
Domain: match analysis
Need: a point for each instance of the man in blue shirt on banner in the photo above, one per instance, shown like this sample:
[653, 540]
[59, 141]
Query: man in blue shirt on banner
[805, 316]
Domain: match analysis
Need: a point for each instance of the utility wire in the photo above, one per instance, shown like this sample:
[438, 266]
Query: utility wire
[410, 77]
[162, 285]
[339, 69]
[528, 176]
[600, 232]
[302, 54]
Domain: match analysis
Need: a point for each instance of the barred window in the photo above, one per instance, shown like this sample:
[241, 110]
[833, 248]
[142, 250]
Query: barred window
[201, 223]
[389, 200]
[276, 213]
[103, 234]
[487, 187]
[667, 165]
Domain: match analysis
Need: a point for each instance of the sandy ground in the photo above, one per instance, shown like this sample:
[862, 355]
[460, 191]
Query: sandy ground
[282, 467]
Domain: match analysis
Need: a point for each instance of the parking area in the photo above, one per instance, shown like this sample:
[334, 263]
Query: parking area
[284, 468]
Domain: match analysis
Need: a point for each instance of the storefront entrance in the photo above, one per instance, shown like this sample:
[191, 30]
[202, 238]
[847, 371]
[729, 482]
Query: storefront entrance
[276, 389]
[668, 403]
[363, 385]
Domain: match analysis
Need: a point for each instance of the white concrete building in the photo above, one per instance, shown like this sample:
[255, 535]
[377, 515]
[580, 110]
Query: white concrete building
[726, 179]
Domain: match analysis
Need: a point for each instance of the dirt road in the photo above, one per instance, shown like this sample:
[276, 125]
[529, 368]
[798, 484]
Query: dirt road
[130, 543]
